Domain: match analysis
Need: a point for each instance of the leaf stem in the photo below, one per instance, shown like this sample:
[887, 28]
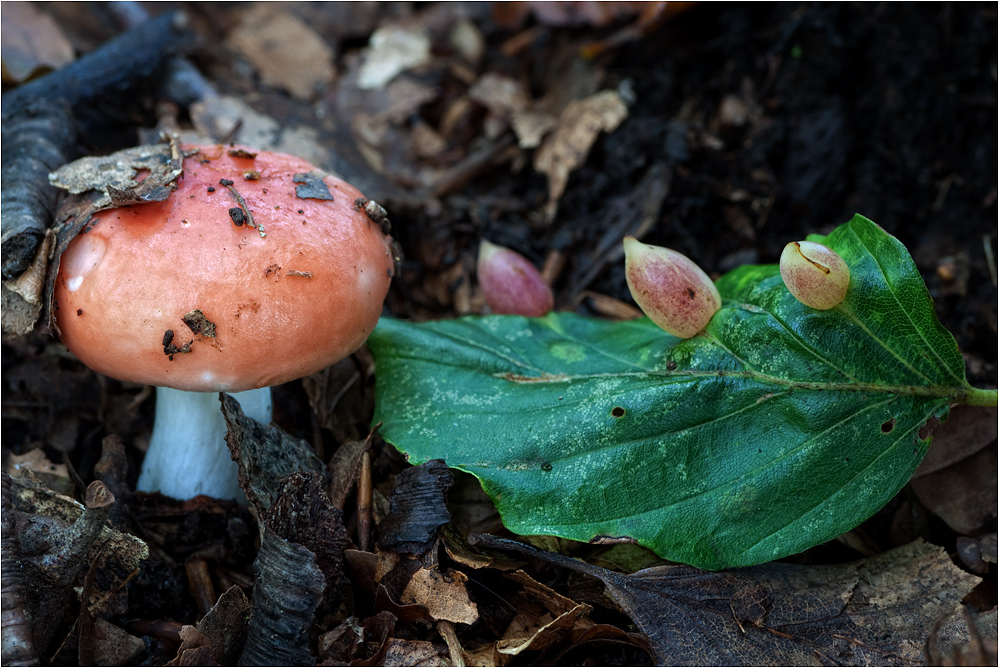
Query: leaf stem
[977, 397]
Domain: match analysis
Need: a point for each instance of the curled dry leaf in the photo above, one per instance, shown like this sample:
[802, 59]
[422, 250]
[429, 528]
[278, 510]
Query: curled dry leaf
[393, 49]
[579, 125]
[543, 617]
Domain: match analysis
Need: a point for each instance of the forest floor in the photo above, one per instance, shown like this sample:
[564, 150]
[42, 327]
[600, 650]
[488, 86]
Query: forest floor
[721, 131]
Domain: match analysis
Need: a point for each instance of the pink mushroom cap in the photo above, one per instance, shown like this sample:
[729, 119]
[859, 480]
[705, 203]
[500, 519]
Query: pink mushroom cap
[258, 305]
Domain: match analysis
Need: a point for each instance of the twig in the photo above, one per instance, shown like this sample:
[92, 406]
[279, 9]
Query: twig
[364, 493]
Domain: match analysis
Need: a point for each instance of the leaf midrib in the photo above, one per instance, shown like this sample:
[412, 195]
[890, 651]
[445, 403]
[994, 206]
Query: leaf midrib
[684, 375]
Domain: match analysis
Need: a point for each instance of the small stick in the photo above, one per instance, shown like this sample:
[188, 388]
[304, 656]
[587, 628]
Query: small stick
[364, 504]
[200, 581]
[446, 629]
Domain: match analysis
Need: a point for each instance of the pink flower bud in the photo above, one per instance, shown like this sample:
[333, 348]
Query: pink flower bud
[815, 274]
[511, 284]
[674, 292]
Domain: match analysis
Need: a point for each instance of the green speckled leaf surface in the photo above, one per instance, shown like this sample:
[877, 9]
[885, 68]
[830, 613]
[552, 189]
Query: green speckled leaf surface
[775, 429]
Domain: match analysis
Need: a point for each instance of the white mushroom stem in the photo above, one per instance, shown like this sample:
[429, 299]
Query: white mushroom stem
[187, 454]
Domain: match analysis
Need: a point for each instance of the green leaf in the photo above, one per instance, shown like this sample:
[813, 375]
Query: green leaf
[777, 428]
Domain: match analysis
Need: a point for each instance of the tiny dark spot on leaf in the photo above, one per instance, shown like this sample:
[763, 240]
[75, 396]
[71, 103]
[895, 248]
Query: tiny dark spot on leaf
[887, 426]
[546, 467]
[671, 365]
[617, 412]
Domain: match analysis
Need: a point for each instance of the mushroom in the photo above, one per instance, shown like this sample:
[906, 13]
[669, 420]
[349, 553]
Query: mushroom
[256, 271]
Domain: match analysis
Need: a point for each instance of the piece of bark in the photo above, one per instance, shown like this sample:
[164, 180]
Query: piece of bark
[419, 509]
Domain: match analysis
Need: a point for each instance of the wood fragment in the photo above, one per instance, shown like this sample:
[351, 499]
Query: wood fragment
[364, 503]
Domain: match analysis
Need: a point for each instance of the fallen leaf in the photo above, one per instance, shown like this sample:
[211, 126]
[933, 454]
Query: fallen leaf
[225, 626]
[444, 594]
[502, 95]
[579, 125]
[956, 480]
[32, 42]
[964, 493]
[104, 644]
[873, 611]
[966, 431]
[876, 611]
[393, 49]
[35, 461]
[195, 649]
[543, 617]
[411, 653]
[286, 52]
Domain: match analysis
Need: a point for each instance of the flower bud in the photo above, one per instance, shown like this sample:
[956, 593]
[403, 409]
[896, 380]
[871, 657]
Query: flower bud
[815, 274]
[674, 292]
[511, 284]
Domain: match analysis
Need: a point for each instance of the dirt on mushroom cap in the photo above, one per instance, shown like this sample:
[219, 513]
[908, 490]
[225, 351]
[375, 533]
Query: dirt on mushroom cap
[298, 290]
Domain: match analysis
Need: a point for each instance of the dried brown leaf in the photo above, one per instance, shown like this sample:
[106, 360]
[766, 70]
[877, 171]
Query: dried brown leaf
[393, 49]
[32, 42]
[501, 94]
[444, 594]
[544, 617]
[411, 653]
[286, 51]
[579, 125]
[224, 626]
[957, 479]
[875, 611]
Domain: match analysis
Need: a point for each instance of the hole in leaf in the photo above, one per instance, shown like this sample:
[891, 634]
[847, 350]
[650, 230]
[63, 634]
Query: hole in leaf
[887, 426]
[926, 431]
[617, 412]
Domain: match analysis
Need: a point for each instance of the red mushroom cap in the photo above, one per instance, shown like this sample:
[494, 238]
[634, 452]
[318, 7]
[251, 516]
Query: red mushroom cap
[258, 307]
